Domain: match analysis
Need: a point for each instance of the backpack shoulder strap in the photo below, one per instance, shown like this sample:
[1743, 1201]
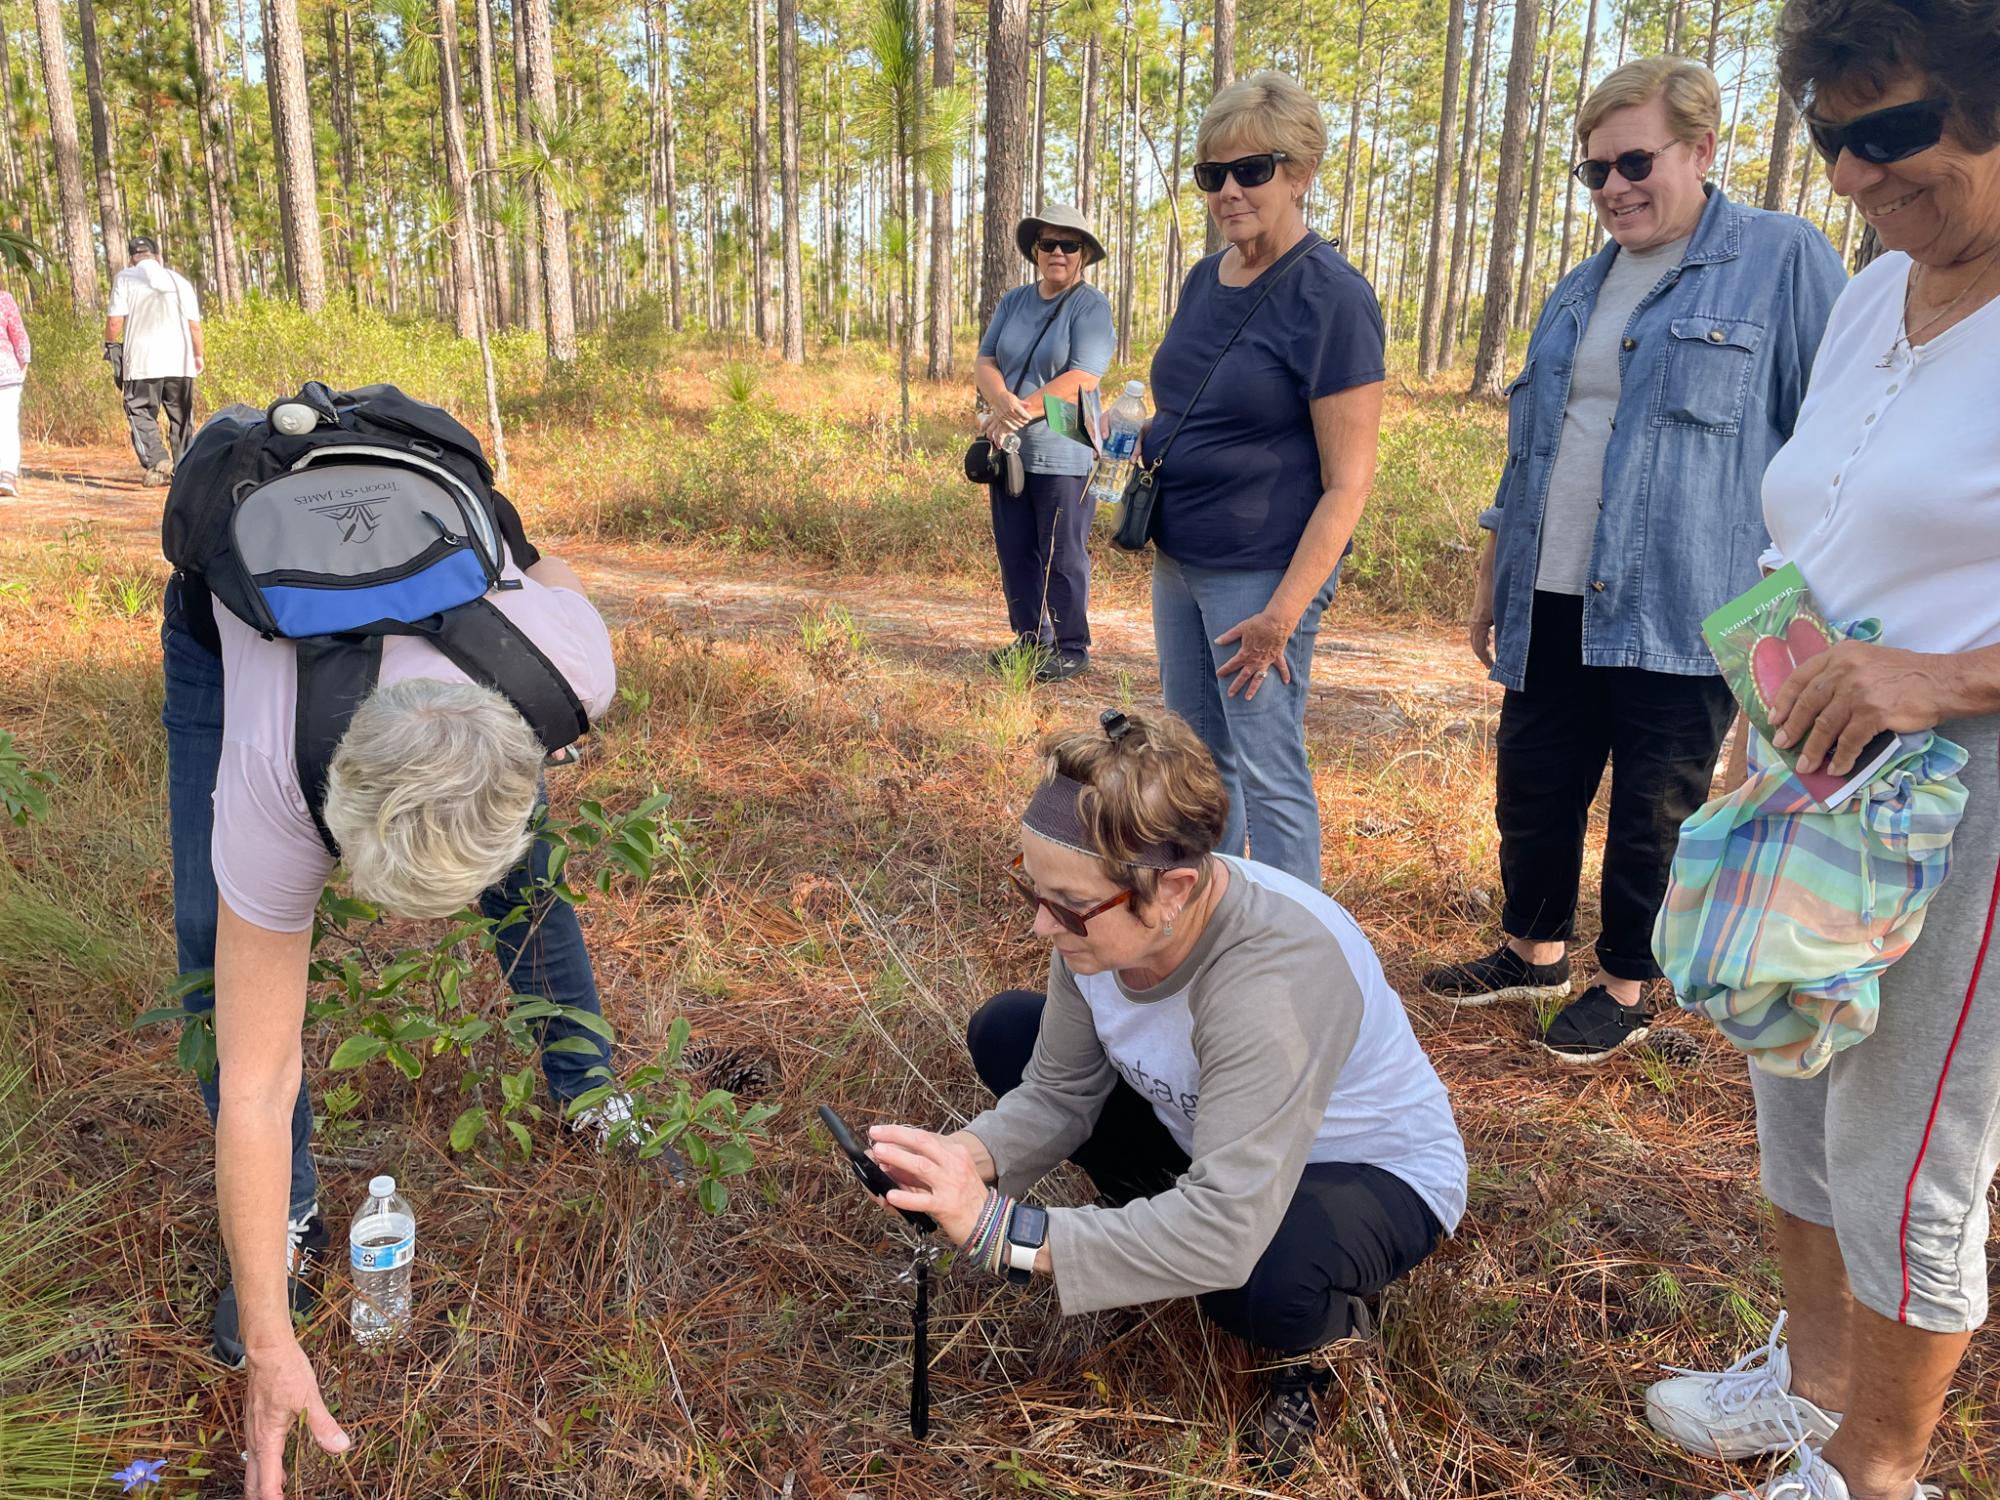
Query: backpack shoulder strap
[491, 649]
[336, 672]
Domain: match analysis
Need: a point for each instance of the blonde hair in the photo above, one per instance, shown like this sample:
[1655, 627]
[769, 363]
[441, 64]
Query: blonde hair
[429, 794]
[1270, 110]
[1693, 98]
[1155, 784]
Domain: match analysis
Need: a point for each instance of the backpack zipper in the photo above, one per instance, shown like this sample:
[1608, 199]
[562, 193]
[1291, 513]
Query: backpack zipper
[484, 544]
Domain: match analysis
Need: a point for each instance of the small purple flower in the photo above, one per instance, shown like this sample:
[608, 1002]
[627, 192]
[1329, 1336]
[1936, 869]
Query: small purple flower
[141, 1474]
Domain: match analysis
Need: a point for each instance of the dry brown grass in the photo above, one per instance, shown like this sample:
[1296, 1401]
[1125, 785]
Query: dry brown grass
[583, 1331]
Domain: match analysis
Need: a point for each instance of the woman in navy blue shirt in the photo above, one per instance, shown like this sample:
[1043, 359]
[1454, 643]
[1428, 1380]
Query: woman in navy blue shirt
[1265, 470]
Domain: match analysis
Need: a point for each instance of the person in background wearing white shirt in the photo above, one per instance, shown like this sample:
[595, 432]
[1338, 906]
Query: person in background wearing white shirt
[1888, 500]
[152, 338]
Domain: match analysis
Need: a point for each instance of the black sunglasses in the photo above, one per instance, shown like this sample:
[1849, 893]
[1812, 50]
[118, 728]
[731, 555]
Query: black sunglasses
[1249, 171]
[1059, 247]
[1884, 136]
[1633, 166]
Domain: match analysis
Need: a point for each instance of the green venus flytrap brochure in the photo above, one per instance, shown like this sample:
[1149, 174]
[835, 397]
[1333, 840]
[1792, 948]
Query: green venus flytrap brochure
[1759, 638]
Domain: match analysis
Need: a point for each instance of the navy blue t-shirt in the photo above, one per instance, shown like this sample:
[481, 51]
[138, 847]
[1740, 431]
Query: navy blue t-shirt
[1242, 477]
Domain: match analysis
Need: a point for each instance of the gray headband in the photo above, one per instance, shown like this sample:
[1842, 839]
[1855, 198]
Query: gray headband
[1054, 815]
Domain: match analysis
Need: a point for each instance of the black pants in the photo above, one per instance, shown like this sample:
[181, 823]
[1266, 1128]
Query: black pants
[1659, 731]
[1043, 538]
[1351, 1230]
[147, 404]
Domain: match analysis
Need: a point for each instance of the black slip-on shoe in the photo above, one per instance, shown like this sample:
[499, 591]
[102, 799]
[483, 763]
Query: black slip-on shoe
[1501, 975]
[1594, 1026]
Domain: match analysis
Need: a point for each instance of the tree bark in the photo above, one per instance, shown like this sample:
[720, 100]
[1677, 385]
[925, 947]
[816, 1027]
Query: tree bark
[1006, 135]
[1040, 187]
[938, 365]
[10, 164]
[533, 312]
[1569, 182]
[110, 214]
[1086, 128]
[669, 173]
[465, 229]
[788, 184]
[1468, 185]
[218, 171]
[1222, 73]
[1441, 183]
[1783, 131]
[298, 173]
[1489, 365]
[760, 178]
[1353, 130]
[78, 251]
[492, 257]
[1530, 243]
[558, 297]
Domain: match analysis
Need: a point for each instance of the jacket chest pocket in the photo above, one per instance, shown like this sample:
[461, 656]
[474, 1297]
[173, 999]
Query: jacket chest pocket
[1521, 414]
[1705, 374]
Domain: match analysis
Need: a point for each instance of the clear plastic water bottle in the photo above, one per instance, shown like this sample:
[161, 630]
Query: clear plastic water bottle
[381, 1244]
[1123, 424]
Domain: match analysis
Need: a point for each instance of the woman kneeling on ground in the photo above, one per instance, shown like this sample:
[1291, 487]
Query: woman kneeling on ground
[1219, 1050]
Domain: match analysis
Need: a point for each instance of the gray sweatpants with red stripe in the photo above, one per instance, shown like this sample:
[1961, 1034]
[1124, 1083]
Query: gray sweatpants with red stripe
[1895, 1144]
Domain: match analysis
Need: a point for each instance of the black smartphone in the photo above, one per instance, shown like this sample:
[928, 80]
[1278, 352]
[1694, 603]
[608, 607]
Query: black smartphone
[873, 1178]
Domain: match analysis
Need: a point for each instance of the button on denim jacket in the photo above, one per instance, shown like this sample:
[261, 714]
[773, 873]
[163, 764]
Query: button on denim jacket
[1713, 366]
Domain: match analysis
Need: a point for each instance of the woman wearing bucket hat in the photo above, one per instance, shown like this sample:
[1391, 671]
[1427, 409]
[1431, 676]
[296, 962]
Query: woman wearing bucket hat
[1051, 337]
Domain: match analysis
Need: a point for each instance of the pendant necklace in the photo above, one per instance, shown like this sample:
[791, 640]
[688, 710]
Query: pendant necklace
[1905, 345]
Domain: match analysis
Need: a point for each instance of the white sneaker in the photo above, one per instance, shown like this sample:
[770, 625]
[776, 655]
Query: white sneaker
[1739, 1412]
[611, 1119]
[1813, 1478]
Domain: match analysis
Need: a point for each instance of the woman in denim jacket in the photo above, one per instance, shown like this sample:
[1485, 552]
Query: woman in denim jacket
[1664, 373]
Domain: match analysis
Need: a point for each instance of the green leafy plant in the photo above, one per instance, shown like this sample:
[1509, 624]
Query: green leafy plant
[24, 789]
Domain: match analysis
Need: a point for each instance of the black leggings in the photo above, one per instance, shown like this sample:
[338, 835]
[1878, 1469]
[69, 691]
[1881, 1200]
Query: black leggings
[1351, 1230]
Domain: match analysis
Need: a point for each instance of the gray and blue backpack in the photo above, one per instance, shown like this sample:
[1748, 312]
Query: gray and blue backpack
[335, 518]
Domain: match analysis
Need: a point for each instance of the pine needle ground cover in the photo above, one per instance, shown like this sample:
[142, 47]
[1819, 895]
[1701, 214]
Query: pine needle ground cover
[844, 776]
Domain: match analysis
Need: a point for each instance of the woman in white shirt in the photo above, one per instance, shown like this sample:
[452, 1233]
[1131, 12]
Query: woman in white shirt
[1888, 500]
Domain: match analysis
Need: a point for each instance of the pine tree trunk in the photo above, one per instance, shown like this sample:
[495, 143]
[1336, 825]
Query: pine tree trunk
[110, 214]
[1128, 258]
[788, 181]
[1006, 135]
[10, 162]
[298, 174]
[669, 173]
[78, 251]
[465, 227]
[1441, 183]
[558, 294]
[760, 179]
[1222, 73]
[1469, 157]
[1714, 31]
[217, 172]
[1489, 365]
[533, 308]
[938, 365]
[1735, 115]
[1782, 134]
[1041, 105]
[492, 256]
[1569, 182]
[1531, 241]
[1353, 133]
[1086, 129]
[1170, 282]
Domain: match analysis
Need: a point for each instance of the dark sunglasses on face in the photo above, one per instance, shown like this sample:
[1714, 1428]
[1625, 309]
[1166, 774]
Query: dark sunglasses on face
[1058, 247]
[1633, 166]
[1885, 135]
[1077, 922]
[1249, 171]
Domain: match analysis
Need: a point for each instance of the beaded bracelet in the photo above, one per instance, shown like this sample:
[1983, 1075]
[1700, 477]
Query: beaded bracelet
[987, 1244]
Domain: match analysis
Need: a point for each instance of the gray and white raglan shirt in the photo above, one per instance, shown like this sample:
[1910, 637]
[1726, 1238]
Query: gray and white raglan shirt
[1277, 1042]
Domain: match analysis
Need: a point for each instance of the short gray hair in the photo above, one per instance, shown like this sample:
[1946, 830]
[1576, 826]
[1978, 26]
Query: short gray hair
[430, 792]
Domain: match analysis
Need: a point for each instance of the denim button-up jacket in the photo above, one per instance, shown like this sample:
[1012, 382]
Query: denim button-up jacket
[1713, 366]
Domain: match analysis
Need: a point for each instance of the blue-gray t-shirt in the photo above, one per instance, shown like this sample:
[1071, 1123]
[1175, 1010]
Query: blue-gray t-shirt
[1080, 338]
[1242, 477]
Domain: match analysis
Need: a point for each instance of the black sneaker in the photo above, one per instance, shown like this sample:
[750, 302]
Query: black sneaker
[306, 1258]
[1289, 1420]
[1501, 975]
[1061, 666]
[1594, 1025]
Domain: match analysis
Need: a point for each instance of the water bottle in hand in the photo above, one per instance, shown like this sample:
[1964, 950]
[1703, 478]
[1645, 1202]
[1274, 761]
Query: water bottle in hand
[1123, 423]
[381, 1244]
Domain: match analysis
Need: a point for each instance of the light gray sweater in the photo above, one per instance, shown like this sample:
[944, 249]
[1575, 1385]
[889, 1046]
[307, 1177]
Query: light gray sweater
[1277, 1041]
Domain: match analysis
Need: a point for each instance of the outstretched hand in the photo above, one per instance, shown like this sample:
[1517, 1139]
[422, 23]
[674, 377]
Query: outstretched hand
[940, 1175]
[282, 1385]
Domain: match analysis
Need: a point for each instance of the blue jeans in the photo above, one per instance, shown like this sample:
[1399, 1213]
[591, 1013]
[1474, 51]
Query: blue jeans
[543, 954]
[1259, 744]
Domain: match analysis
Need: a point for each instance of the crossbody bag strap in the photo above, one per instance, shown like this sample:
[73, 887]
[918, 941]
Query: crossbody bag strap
[1036, 347]
[1272, 277]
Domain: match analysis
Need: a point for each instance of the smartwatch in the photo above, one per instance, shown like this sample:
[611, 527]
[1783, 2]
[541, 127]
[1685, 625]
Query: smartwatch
[1027, 1232]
